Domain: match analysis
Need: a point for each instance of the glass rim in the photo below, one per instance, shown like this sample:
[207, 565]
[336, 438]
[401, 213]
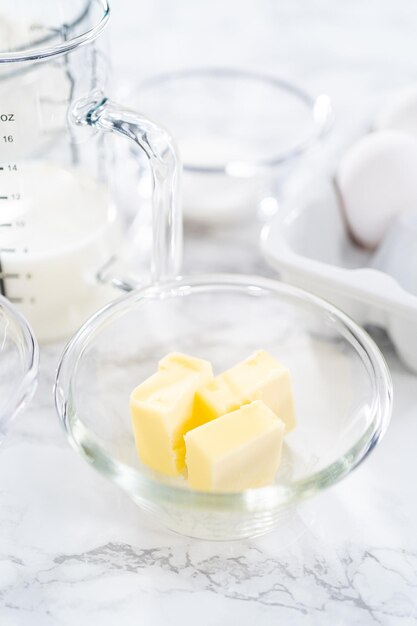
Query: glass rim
[31, 352]
[34, 53]
[256, 166]
[137, 484]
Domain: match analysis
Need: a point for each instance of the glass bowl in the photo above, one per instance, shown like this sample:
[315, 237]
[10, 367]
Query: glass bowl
[341, 383]
[19, 358]
[238, 133]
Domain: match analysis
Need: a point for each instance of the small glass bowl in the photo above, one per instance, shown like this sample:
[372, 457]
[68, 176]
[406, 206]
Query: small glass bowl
[19, 359]
[341, 383]
[238, 133]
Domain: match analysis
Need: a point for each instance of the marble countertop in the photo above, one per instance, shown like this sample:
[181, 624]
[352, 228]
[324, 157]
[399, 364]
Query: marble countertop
[73, 548]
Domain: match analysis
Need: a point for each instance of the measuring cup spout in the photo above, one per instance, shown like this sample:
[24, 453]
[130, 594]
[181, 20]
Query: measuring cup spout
[97, 111]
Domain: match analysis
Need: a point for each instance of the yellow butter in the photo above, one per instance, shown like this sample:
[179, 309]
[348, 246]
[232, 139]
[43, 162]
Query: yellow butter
[239, 450]
[162, 411]
[259, 377]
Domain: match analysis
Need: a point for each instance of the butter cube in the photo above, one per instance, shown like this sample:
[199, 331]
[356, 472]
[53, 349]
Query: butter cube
[162, 411]
[259, 377]
[240, 450]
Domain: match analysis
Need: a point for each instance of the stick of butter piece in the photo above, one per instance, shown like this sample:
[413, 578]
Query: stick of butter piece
[259, 377]
[162, 411]
[239, 450]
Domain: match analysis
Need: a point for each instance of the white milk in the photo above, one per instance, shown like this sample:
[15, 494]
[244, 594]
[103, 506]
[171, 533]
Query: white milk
[58, 227]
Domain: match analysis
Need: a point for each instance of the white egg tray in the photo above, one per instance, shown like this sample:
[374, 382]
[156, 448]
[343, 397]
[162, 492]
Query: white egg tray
[307, 243]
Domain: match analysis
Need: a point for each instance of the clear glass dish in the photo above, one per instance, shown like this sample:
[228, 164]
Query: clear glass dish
[19, 358]
[238, 133]
[342, 390]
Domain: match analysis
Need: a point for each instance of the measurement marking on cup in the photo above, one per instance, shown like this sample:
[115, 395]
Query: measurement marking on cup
[4, 197]
[4, 275]
[6, 225]
[2, 285]
[16, 300]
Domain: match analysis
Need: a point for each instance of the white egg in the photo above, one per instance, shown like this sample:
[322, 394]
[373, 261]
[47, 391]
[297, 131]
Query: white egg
[399, 112]
[376, 179]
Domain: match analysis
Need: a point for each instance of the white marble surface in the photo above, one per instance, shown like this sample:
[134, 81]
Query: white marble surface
[73, 548]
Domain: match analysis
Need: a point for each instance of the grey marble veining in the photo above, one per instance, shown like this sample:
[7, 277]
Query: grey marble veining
[73, 548]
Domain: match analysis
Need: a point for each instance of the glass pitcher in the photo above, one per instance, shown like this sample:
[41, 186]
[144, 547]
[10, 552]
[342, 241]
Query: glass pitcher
[59, 225]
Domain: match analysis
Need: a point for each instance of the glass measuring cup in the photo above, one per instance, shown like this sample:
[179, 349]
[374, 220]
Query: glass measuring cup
[59, 225]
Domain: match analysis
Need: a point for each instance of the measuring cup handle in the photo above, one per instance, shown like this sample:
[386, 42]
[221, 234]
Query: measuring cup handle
[98, 111]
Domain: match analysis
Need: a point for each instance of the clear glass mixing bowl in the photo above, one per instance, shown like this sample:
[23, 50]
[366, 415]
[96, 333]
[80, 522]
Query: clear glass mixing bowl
[342, 390]
[239, 134]
[19, 357]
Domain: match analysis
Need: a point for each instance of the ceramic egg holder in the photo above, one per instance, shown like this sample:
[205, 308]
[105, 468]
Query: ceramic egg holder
[327, 240]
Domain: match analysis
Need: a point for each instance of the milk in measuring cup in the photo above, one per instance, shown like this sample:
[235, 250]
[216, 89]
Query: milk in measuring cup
[58, 227]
